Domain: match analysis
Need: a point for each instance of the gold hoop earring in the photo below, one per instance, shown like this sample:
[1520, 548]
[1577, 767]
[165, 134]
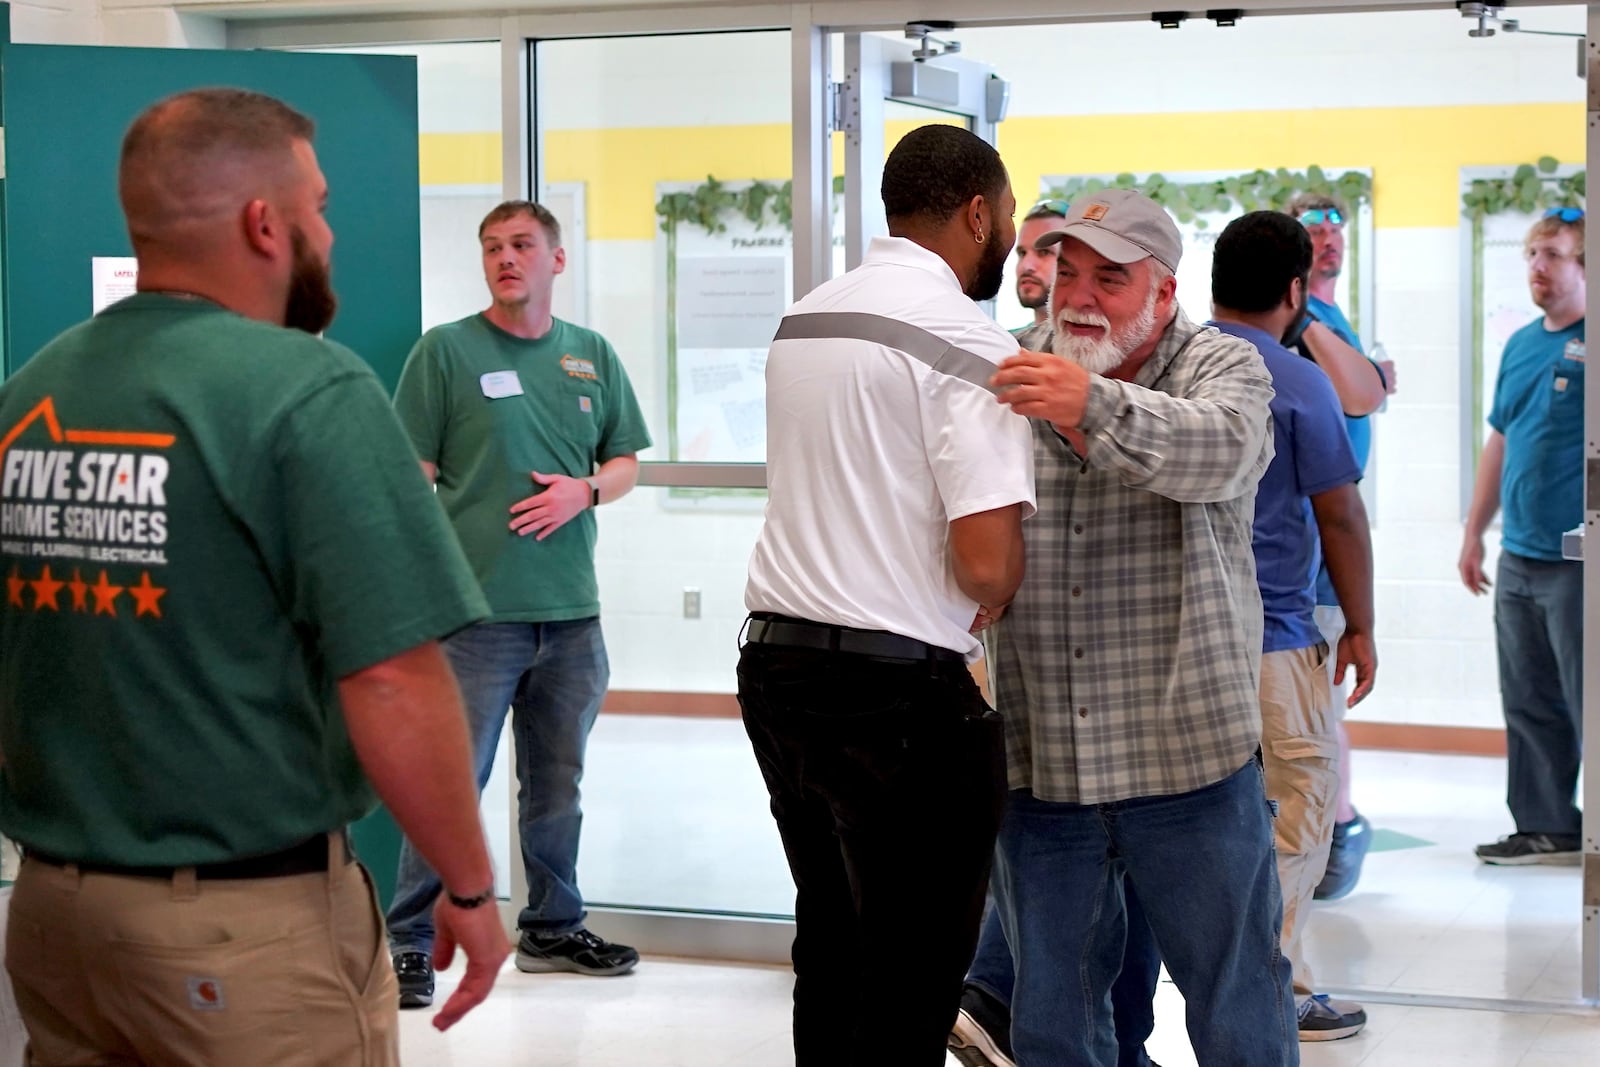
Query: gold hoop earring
[979, 237]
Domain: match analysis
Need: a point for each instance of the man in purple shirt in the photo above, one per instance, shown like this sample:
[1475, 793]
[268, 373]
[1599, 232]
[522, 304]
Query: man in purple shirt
[1258, 291]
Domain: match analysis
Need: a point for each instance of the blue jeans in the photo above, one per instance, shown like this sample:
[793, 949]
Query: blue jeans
[553, 676]
[1132, 1009]
[1538, 625]
[1202, 864]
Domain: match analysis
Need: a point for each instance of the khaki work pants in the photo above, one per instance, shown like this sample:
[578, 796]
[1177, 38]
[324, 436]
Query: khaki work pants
[1300, 752]
[179, 972]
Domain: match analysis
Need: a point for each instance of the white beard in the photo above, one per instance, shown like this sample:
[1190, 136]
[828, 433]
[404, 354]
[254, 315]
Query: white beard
[1103, 354]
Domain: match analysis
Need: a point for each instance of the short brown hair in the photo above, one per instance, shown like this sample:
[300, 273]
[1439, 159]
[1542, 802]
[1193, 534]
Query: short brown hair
[511, 209]
[187, 157]
[1304, 202]
[1549, 226]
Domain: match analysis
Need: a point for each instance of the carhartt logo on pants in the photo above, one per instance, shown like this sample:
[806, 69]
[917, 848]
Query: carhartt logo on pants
[205, 994]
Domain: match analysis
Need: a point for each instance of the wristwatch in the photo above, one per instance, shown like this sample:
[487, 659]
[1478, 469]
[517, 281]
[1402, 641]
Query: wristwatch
[594, 492]
[471, 902]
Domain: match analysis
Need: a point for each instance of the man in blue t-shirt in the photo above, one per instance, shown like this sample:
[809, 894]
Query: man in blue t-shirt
[1308, 511]
[1532, 470]
[1361, 384]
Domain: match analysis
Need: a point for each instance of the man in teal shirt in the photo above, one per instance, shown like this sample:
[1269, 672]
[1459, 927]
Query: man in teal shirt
[1361, 384]
[526, 424]
[1532, 468]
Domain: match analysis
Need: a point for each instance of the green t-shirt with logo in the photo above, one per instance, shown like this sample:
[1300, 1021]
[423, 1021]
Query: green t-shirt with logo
[205, 522]
[487, 409]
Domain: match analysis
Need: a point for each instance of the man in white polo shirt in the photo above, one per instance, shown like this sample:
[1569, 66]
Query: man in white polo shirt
[898, 486]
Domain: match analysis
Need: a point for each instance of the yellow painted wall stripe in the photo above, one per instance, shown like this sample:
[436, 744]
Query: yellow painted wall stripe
[460, 158]
[1415, 153]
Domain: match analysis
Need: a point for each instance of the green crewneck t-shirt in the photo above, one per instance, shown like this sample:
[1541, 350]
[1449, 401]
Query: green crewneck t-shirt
[487, 408]
[205, 522]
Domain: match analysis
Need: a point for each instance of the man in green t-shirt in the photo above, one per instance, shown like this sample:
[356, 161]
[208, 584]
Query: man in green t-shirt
[201, 651]
[526, 424]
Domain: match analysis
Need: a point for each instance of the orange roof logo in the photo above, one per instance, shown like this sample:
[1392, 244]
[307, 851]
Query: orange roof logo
[46, 410]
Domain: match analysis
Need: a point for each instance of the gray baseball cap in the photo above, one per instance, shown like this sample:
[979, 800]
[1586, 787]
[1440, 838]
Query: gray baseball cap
[1123, 225]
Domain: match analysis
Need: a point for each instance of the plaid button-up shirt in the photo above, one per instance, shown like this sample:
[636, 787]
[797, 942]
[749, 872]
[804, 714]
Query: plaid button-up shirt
[1128, 664]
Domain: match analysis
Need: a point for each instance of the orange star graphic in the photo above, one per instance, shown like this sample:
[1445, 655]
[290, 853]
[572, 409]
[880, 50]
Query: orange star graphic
[147, 597]
[80, 591]
[105, 595]
[14, 586]
[45, 591]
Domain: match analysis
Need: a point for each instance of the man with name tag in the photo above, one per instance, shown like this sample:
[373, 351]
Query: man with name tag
[526, 424]
[1531, 473]
[893, 533]
[187, 727]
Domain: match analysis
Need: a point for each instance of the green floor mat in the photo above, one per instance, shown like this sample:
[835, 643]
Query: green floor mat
[1394, 841]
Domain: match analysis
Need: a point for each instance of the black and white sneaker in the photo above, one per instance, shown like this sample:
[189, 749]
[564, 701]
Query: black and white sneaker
[981, 1036]
[1521, 850]
[579, 952]
[414, 970]
[1325, 1019]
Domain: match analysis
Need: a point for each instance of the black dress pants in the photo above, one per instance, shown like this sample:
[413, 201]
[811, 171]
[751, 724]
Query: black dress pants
[887, 780]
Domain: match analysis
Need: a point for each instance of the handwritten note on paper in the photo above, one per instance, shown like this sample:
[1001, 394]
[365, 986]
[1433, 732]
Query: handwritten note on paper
[730, 301]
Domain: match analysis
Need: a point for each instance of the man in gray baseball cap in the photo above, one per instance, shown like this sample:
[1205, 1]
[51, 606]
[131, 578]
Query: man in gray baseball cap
[1127, 665]
[1122, 225]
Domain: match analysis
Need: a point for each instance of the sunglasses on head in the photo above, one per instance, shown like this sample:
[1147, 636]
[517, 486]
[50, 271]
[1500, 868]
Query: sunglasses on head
[1049, 205]
[1565, 214]
[1320, 215]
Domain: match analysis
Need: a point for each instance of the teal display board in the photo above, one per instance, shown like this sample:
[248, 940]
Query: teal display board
[65, 110]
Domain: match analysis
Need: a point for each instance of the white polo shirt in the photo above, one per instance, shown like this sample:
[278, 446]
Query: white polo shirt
[875, 445]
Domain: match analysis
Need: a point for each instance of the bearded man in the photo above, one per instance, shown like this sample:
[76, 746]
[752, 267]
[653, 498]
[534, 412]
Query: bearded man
[1127, 666]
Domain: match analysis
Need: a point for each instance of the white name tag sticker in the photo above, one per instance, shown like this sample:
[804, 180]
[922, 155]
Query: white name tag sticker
[500, 383]
[1574, 351]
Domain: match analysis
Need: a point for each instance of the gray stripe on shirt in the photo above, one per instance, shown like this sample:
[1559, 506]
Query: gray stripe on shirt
[929, 348]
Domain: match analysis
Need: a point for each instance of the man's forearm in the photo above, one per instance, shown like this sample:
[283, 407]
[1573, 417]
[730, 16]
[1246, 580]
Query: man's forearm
[406, 722]
[1356, 379]
[986, 555]
[1486, 487]
[1347, 550]
[616, 477]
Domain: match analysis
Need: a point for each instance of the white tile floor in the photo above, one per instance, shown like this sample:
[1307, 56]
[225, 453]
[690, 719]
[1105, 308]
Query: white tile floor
[679, 1013]
[677, 818]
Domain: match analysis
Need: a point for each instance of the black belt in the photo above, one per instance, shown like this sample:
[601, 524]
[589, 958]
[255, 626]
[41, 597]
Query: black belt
[308, 857]
[769, 629]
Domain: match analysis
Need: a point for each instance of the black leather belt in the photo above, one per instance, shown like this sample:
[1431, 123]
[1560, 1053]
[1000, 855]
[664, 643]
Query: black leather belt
[308, 857]
[768, 629]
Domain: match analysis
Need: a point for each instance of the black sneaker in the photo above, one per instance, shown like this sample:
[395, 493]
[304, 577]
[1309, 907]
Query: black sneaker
[579, 952]
[981, 1036]
[1350, 843]
[1325, 1019]
[415, 972]
[1519, 850]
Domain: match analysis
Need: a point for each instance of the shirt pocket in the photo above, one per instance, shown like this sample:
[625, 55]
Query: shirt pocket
[1565, 387]
[579, 408]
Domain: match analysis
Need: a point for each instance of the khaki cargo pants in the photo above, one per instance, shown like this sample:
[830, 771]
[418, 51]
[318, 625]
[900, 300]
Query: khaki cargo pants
[1300, 752]
[180, 972]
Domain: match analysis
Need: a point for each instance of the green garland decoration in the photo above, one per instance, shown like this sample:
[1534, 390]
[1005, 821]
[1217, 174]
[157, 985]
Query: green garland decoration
[709, 205]
[1531, 188]
[1256, 190]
